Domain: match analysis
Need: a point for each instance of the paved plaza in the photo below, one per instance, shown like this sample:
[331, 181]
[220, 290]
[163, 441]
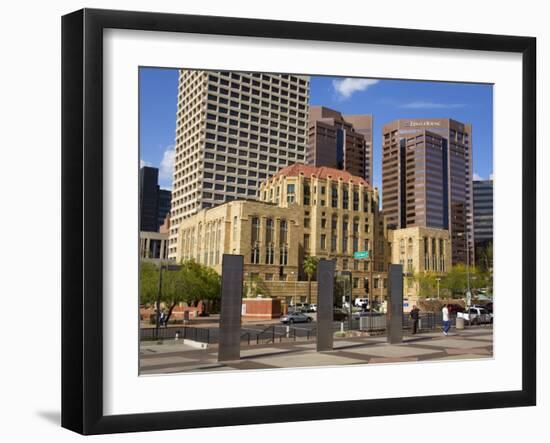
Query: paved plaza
[174, 356]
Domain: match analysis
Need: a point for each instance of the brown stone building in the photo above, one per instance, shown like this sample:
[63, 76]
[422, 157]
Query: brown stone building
[302, 211]
[341, 142]
[427, 178]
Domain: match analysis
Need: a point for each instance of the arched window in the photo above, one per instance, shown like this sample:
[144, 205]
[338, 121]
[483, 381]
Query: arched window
[334, 233]
[269, 231]
[269, 241]
[218, 241]
[334, 196]
[355, 231]
[283, 242]
[345, 228]
[199, 242]
[255, 230]
[307, 194]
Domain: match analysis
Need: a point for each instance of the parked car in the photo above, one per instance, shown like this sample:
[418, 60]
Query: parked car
[361, 301]
[476, 315]
[299, 307]
[295, 317]
[312, 307]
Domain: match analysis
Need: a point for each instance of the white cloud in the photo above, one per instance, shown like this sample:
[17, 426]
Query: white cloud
[346, 87]
[166, 169]
[143, 163]
[477, 177]
[431, 105]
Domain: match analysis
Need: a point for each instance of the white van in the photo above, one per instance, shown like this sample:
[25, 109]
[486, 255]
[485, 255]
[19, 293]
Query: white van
[299, 307]
[361, 301]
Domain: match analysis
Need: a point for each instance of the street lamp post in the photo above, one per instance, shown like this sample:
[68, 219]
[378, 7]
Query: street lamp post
[438, 280]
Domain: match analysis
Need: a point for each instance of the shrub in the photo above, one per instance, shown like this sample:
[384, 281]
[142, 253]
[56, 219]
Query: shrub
[436, 305]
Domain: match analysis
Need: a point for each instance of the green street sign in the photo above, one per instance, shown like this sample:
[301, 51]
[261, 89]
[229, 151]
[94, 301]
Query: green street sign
[361, 254]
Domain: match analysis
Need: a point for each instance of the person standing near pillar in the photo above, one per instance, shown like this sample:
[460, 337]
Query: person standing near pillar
[415, 314]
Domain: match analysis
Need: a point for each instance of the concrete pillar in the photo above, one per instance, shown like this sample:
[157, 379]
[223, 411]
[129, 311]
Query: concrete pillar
[394, 315]
[325, 300]
[229, 347]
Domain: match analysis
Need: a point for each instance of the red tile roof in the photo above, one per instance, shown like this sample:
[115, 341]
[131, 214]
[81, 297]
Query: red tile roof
[322, 172]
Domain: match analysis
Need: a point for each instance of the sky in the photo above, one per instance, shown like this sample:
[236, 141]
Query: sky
[386, 100]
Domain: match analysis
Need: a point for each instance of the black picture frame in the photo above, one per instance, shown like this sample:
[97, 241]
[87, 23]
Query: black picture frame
[82, 218]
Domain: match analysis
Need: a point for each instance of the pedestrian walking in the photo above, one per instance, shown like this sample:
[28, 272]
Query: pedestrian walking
[446, 319]
[415, 313]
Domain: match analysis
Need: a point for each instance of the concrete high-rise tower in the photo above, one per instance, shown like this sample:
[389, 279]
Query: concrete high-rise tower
[233, 131]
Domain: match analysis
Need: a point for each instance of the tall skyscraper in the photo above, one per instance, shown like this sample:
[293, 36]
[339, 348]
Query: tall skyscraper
[427, 178]
[233, 131]
[148, 199]
[154, 203]
[363, 125]
[483, 212]
[341, 142]
[164, 198]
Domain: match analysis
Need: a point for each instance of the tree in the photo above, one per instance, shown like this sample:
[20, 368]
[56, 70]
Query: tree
[427, 283]
[485, 261]
[191, 283]
[310, 268]
[195, 282]
[255, 286]
[148, 282]
[485, 257]
[456, 280]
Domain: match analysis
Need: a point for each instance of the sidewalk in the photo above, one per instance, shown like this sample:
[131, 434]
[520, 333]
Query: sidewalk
[173, 357]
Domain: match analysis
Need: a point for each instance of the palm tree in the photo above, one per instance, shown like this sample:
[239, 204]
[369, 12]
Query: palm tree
[310, 267]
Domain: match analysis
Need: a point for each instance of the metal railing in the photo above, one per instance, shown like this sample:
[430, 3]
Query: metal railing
[269, 331]
[247, 335]
[311, 333]
[372, 323]
[181, 332]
